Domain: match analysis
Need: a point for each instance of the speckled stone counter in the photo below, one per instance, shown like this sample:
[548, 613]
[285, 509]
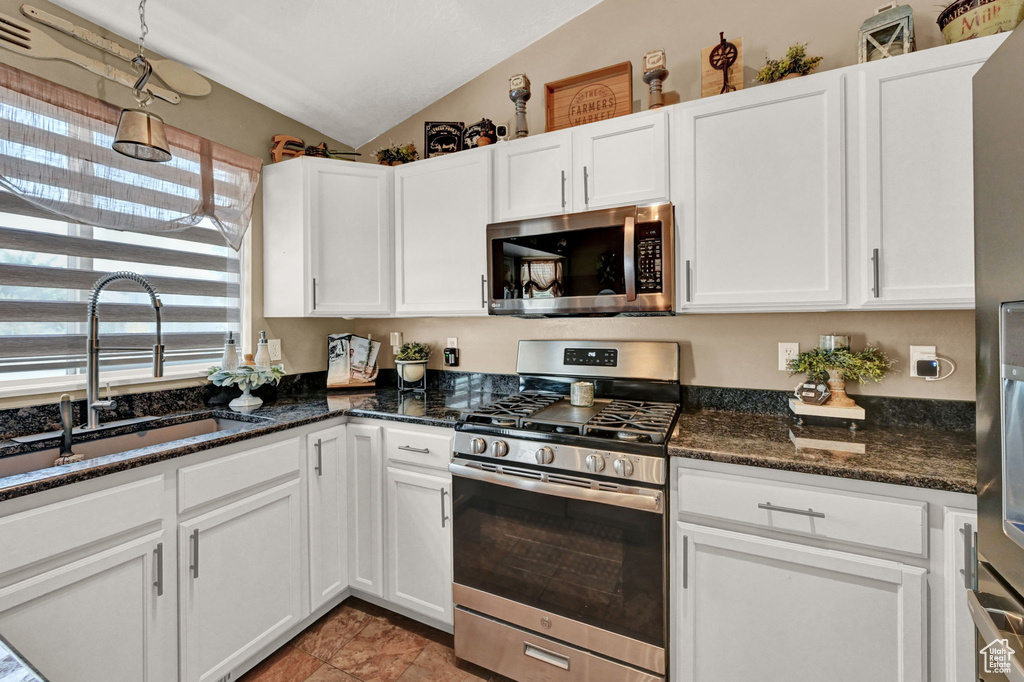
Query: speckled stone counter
[14, 668]
[919, 457]
[434, 408]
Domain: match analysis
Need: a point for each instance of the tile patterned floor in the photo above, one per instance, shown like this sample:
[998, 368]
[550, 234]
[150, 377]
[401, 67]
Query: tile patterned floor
[360, 642]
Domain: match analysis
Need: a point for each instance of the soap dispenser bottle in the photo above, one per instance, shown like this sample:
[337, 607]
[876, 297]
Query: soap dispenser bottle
[262, 359]
[230, 359]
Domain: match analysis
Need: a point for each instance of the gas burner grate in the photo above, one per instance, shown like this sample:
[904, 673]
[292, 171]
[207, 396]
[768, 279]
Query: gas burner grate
[510, 411]
[632, 421]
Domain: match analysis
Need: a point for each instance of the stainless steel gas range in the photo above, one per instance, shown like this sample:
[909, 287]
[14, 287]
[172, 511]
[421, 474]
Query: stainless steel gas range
[559, 525]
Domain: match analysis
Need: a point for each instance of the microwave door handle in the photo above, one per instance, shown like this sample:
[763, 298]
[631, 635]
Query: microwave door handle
[629, 256]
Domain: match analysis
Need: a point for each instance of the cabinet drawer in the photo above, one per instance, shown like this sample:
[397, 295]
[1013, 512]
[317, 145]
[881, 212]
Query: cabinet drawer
[859, 519]
[209, 481]
[44, 532]
[418, 447]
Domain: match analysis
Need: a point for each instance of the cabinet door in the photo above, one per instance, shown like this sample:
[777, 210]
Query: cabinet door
[761, 198]
[533, 176]
[442, 207]
[349, 207]
[419, 548]
[108, 616]
[622, 161]
[916, 179]
[958, 640]
[365, 474]
[751, 608]
[240, 573]
[327, 479]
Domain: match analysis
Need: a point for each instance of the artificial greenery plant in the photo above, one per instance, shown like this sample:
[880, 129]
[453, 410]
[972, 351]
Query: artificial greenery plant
[413, 352]
[796, 61]
[397, 154]
[870, 363]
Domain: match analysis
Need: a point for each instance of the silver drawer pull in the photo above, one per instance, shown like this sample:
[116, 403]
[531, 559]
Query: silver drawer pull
[790, 510]
[549, 657]
[409, 448]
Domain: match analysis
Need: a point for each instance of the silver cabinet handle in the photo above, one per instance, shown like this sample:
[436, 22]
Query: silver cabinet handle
[444, 508]
[876, 289]
[194, 566]
[409, 448]
[319, 468]
[689, 285]
[686, 562]
[158, 558]
[629, 256]
[314, 293]
[586, 187]
[545, 656]
[969, 559]
[483, 291]
[563, 189]
[790, 510]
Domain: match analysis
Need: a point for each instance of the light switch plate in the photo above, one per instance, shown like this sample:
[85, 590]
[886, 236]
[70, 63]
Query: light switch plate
[920, 353]
[787, 351]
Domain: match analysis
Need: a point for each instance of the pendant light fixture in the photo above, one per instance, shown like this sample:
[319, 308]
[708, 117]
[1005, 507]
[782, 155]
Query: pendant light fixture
[140, 133]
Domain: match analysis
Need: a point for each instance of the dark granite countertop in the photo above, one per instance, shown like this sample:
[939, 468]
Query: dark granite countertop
[434, 408]
[919, 457]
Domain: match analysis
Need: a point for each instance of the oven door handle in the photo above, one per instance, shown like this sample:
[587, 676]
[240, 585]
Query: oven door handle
[643, 500]
[988, 632]
[629, 256]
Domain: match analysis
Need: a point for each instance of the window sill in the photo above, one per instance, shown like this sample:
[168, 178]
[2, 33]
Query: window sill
[76, 383]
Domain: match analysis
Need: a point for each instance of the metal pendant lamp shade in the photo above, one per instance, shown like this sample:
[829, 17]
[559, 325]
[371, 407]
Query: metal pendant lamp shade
[141, 135]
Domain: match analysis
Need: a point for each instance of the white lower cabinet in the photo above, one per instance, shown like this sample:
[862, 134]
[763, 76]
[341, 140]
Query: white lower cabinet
[958, 569]
[240, 572]
[419, 547]
[327, 493]
[365, 486]
[759, 608]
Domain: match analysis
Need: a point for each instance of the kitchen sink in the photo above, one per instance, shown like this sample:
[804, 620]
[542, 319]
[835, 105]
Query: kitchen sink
[142, 438]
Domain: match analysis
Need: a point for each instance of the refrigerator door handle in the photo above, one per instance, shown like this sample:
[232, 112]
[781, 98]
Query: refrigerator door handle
[988, 631]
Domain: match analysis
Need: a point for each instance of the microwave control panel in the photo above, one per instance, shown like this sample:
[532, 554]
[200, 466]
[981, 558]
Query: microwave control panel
[648, 259]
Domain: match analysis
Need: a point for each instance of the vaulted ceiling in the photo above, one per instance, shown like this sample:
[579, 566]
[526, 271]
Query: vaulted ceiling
[350, 69]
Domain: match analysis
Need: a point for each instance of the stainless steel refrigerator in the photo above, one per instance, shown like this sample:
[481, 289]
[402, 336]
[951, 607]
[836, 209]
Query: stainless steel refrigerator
[997, 603]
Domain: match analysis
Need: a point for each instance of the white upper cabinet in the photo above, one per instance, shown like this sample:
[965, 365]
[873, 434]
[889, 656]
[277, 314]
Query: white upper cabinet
[326, 239]
[616, 162]
[760, 198]
[621, 161]
[442, 207]
[915, 177]
[534, 176]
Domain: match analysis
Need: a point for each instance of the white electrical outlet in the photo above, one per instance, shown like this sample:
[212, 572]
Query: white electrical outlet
[453, 342]
[787, 351]
[274, 348]
[920, 353]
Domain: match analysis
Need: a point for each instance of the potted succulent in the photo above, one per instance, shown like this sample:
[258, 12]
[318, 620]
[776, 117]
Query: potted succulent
[795, 63]
[411, 361]
[839, 365]
[397, 154]
[246, 377]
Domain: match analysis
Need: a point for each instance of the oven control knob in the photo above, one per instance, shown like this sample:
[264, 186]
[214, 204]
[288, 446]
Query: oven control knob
[623, 467]
[595, 462]
[478, 446]
[499, 448]
[545, 456]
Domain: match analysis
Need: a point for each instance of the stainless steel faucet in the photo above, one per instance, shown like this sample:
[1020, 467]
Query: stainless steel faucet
[92, 388]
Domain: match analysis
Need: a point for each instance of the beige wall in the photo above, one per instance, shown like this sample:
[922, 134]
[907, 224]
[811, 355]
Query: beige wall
[223, 116]
[716, 350]
[622, 30]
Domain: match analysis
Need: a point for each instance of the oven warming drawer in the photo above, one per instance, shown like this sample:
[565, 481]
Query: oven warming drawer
[527, 657]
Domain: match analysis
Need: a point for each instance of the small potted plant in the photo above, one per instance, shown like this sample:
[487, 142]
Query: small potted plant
[397, 154]
[795, 63]
[411, 361]
[246, 377]
[840, 364]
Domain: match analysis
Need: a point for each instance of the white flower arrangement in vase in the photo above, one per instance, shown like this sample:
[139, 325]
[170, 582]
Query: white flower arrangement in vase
[246, 377]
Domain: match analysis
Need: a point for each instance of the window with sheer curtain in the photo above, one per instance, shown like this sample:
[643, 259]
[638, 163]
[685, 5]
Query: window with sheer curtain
[72, 210]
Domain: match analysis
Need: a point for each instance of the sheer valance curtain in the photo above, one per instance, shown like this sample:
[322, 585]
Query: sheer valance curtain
[55, 155]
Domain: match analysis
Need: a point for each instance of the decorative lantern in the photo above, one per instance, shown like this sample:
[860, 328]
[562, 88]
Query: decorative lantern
[887, 34]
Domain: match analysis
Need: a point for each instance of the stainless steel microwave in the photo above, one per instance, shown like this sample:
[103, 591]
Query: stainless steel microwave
[612, 261]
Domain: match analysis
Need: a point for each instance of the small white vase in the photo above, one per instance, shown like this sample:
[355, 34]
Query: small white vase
[411, 370]
[245, 402]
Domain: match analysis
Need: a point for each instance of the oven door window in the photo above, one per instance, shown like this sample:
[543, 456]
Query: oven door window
[598, 564]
